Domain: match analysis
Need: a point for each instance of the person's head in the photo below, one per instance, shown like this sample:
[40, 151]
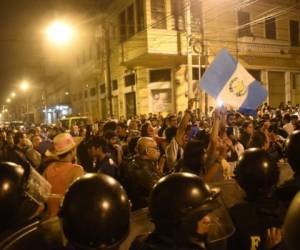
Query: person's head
[19, 139]
[122, 129]
[182, 208]
[293, 151]
[109, 126]
[64, 147]
[133, 125]
[19, 184]
[95, 213]
[248, 127]
[286, 118]
[257, 173]
[36, 141]
[154, 122]
[172, 121]
[147, 148]
[259, 140]
[231, 119]
[170, 133]
[147, 130]
[294, 119]
[97, 146]
[132, 145]
[111, 137]
[193, 157]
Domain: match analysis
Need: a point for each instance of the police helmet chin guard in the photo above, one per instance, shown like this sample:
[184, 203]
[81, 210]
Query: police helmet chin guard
[95, 213]
[179, 202]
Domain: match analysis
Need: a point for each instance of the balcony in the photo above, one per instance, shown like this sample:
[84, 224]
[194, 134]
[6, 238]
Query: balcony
[255, 46]
[154, 48]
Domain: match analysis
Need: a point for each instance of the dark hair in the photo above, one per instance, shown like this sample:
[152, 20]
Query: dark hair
[144, 129]
[98, 142]
[170, 133]
[109, 134]
[287, 117]
[132, 144]
[258, 140]
[18, 136]
[110, 126]
[203, 137]
[246, 124]
[193, 157]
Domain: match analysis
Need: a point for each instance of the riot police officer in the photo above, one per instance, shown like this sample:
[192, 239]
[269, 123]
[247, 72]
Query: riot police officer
[95, 213]
[288, 190]
[257, 174]
[181, 207]
[291, 226]
[22, 195]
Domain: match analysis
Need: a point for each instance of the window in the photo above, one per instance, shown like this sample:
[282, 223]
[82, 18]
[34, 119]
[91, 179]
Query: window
[85, 94]
[160, 75]
[177, 8]
[270, 26]
[158, 15]
[195, 73]
[243, 24]
[102, 88]
[114, 84]
[129, 80]
[130, 21]
[196, 9]
[92, 91]
[294, 33]
[140, 18]
[122, 19]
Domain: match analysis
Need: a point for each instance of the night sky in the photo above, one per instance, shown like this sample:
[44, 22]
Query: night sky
[21, 23]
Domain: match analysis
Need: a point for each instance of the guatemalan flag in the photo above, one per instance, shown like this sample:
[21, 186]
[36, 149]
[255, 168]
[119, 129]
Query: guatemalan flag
[229, 82]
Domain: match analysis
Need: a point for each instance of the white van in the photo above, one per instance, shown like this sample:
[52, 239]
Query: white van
[69, 122]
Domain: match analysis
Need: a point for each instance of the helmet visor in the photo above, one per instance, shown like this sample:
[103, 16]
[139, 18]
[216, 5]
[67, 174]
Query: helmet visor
[219, 223]
[38, 188]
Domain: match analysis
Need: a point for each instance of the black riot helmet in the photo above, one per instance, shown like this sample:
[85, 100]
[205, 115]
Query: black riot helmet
[95, 213]
[178, 201]
[19, 185]
[291, 226]
[256, 173]
[293, 150]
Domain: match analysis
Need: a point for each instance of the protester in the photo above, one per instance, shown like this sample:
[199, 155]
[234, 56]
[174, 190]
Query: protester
[62, 171]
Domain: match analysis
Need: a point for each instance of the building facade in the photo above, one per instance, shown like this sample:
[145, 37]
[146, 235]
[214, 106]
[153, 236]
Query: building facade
[148, 49]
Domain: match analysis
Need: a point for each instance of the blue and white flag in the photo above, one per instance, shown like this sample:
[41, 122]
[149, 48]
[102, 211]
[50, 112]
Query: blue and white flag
[229, 82]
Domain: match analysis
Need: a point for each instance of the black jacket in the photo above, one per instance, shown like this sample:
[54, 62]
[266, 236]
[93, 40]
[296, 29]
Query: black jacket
[156, 241]
[252, 219]
[139, 177]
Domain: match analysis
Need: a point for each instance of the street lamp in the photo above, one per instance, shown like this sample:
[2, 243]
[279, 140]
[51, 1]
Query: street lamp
[24, 86]
[13, 94]
[60, 32]
[8, 100]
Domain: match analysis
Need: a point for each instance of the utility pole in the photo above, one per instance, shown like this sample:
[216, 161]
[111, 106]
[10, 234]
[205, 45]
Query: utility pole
[203, 58]
[108, 69]
[189, 49]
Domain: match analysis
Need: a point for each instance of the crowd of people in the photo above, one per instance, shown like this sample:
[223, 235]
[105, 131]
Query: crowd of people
[221, 181]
